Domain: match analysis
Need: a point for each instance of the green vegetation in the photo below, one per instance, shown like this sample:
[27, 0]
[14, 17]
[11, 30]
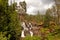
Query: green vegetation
[10, 28]
[32, 38]
[9, 22]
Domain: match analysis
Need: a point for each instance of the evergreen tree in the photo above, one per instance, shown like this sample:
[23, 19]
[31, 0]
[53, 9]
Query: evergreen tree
[9, 22]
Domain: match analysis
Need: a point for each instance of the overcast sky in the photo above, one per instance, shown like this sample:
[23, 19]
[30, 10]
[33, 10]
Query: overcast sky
[37, 5]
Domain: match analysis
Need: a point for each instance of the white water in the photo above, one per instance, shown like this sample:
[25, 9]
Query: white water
[31, 33]
[25, 28]
[22, 34]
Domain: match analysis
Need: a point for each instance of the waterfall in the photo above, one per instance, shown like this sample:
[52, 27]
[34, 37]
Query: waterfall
[22, 34]
[26, 28]
[31, 33]
[30, 27]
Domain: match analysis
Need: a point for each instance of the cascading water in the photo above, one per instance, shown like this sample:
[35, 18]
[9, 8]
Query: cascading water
[31, 33]
[22, 34]
[26, 28]
[30, 27]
